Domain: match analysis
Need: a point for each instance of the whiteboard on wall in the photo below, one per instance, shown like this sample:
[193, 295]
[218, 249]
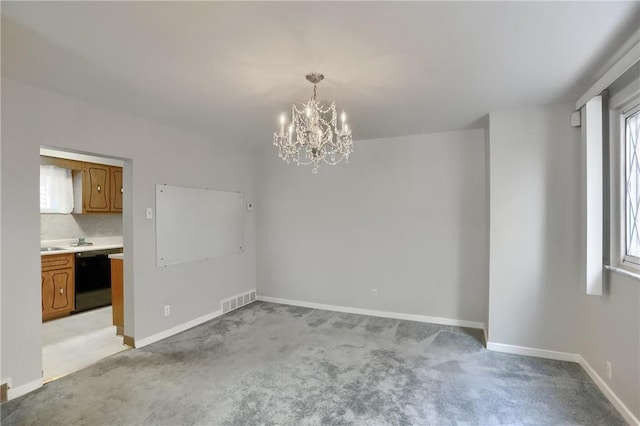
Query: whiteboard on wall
[197, 223]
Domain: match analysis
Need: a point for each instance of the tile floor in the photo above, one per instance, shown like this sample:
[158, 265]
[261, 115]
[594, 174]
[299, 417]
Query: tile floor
[77, 341]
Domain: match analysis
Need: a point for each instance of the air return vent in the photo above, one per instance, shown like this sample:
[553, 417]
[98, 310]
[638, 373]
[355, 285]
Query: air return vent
[238, 301]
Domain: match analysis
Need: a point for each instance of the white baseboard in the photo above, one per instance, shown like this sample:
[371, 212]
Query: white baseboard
[539, 353]
[23, 389]
[565, 356]
[606, 390]
[177, 329]
[373, 313]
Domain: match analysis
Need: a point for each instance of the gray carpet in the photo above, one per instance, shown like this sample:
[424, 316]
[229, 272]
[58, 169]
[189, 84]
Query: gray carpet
[269, 364]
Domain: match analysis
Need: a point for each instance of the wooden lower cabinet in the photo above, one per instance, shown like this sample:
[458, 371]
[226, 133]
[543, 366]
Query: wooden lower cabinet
[58, 289]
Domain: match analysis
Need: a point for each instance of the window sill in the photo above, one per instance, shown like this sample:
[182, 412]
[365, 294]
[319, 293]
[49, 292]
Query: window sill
[622, 271]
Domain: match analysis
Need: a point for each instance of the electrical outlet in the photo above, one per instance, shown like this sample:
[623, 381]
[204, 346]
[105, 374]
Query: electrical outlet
[374, 292]
[609, 370]
[149, 213]
[167, 310]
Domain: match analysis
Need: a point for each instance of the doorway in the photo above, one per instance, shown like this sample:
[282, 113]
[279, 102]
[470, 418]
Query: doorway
[81, 229]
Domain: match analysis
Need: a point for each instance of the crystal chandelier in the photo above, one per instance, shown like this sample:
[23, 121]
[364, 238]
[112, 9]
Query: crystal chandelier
[313, 136]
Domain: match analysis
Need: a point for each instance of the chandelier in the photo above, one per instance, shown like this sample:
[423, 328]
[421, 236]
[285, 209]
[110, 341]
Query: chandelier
[313, 136]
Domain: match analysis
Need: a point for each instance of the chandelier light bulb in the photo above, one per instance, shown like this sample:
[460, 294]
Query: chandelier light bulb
[313, 136]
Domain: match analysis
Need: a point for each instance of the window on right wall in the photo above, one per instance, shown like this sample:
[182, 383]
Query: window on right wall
[630, 186]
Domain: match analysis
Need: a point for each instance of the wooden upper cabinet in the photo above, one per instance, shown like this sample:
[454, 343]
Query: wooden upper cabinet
[101, 188]
[116, 189]
[95, 187]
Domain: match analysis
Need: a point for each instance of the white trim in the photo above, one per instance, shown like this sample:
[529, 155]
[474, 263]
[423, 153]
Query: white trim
[23, 389]
[591, 250]
[618, 101]
[623, 271]
[383, 314]
[177, 329]
[606, 390]
[627, 61]
[58, 153]
[539, 353]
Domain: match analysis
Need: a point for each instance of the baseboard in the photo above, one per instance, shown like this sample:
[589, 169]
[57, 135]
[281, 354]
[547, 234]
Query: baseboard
[606, 390]
[374, 313]
[23, 389]
[175, 330]
[539, 353]
[565, 356]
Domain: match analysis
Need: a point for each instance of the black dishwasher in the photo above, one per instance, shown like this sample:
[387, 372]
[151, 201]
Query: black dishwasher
[93, 279]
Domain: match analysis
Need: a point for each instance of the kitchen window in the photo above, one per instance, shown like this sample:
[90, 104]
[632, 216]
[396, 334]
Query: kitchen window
[56, 190]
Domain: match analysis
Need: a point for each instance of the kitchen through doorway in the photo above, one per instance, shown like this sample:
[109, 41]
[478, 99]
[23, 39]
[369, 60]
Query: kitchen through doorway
[81, 246]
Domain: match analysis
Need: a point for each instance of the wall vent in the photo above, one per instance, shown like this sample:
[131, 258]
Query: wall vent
[238, 301]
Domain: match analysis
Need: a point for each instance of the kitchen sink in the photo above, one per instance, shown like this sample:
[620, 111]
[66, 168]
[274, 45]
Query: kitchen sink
[51, 248]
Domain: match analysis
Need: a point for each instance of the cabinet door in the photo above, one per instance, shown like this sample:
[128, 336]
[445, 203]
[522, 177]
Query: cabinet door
[58, 285]
[95, 188]
[117, 295]
[57, 293]
[116, 189]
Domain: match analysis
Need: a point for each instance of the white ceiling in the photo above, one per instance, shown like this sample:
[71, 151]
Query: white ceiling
[230, 69]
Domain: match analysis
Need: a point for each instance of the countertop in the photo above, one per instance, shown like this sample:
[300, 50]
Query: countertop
[98, 244]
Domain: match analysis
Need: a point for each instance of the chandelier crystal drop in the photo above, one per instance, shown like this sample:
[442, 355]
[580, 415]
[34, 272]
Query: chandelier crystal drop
[313, 136]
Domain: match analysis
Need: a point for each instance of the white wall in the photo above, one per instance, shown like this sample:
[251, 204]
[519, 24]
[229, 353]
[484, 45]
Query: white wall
[406, 216]
[534, 177]
[154, 153]
[610, 331]
[487, 257]
[536, 296]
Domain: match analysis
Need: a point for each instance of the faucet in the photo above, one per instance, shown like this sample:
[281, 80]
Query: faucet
[81, 242]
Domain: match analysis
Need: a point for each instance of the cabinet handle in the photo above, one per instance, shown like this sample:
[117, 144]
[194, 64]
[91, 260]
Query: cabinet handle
[99, 188]
[121, 190]
[61, 290]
